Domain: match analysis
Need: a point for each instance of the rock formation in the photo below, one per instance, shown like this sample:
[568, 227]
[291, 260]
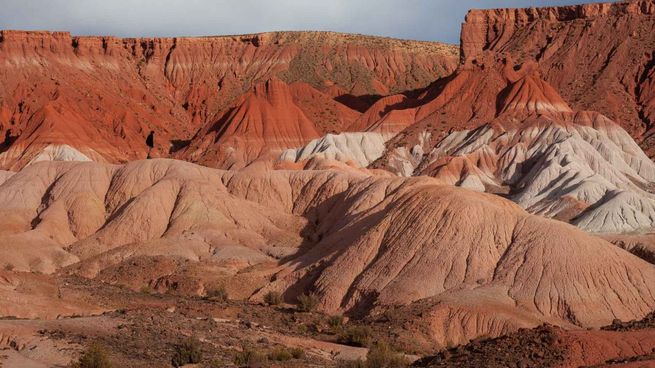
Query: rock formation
[575, 166]
[265, 120]
[360, 148]
[443, 196]
[551, 346]
[102, 95]
[597, 56]
[362, 243]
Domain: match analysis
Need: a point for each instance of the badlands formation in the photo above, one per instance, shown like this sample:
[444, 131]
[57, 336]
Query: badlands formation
[488, 207]
[363, 244]
[101, 96]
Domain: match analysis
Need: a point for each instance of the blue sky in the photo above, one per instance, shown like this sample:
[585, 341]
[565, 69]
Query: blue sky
[435, 20]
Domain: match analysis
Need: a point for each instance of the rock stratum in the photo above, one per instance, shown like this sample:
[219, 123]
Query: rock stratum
[362, 243]
[511, 121]
[530, 146]
[100, 96]
[598, 56]
[577, 166]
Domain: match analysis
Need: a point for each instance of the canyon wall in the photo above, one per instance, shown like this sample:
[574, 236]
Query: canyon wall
[597, 56]
[102, 95]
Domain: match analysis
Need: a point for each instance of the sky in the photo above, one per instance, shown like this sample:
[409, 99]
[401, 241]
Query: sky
[431, 20]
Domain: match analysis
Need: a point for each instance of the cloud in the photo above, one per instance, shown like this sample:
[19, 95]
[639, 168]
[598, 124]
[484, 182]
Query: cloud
[437, 20]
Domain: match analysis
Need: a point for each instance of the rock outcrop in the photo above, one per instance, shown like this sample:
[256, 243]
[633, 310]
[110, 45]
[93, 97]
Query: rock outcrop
[580, 168]
[550, 346]
[597, 56]
[103, 95]
[576, 166]
[261, 124]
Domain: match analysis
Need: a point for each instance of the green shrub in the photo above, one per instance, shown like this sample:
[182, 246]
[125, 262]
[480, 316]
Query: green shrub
[218, 293]
[188, 352]
[351, 364]
[297, 353]
[273, 298]
[215, 364]
[380, 355]
[146, 289]
[307, 302]
[249, 358]
[94, 357]
[335, 321]
[356, 336]
[280, 354]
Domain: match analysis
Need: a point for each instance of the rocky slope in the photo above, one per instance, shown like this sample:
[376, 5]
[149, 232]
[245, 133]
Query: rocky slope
[549, 346]
[363, 244]
[357, 148]
[98, 97]
[530, 145]
[598, 56]
[580, 168]
[273, 117]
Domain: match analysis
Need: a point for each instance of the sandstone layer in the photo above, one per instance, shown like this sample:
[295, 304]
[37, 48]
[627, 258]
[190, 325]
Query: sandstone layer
[101, 96]
[530, 145]
[598, 56]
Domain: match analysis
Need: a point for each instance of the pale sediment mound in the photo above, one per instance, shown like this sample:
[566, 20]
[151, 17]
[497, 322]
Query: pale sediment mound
[62, 152]
[580, 168]
[365, 138]
[361, 148]
[362, 243]
[511, 272]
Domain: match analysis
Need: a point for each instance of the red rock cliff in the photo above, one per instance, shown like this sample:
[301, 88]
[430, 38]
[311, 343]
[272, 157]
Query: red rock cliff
[102, 95]
[598, 56]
